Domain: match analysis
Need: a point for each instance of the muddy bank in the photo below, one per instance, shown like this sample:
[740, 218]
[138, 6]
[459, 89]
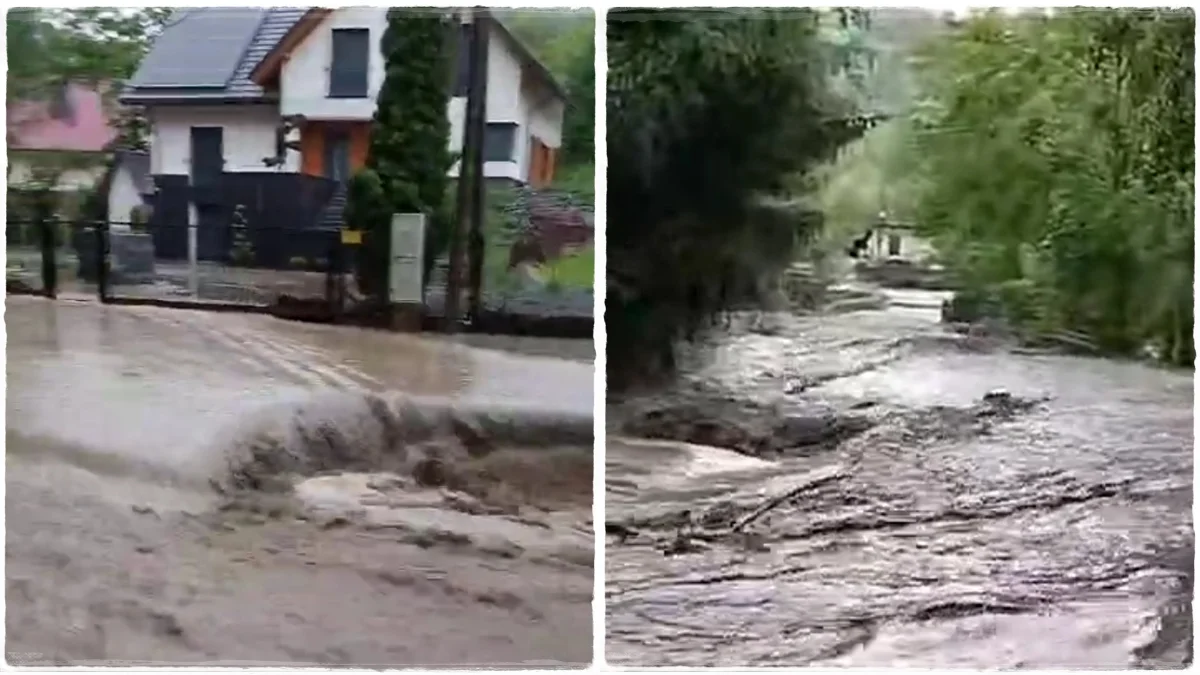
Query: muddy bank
[186, 488]
[986, 505]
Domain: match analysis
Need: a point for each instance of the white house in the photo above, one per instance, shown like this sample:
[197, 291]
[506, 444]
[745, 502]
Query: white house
[219, 83]
[129, 185]
[897, 241]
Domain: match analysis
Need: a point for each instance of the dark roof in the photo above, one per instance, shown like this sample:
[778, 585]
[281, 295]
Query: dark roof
[274, 26]
[207, 53]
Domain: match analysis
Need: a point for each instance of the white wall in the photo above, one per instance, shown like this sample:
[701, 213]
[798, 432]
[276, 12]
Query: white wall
[513, 96]
[304, 80]
[546, 122]
[249, 136]
[541, 117]
[122, 196]
[304, 89]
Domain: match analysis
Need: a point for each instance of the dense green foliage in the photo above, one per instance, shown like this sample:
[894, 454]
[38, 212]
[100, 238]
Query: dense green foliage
[706, 116]
[579, 122]
[408, 159]
[1052, 159]
[869, 176]
[47, 47]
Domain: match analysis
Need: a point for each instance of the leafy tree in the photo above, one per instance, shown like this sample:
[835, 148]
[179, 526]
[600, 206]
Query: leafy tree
[872, 174]
[1054, 161]
[556, 37]
[579, 124]
[408, 157]
[93, 45]
[707, 116]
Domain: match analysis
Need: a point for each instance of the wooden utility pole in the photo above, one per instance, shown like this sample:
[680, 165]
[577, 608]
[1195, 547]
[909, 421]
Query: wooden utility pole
[477, 122]
[471, 140]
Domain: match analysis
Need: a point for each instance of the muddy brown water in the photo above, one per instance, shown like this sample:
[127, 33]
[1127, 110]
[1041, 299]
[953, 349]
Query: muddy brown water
[121, 421]
[942, 536]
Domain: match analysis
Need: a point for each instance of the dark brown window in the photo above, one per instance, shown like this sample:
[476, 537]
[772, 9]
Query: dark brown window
[351, 60]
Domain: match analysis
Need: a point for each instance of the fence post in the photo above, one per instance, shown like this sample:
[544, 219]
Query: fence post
[49, 265]
[193, 250]
[100, 228]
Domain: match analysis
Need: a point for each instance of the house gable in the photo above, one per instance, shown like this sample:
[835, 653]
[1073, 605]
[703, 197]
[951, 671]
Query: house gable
[265, 73]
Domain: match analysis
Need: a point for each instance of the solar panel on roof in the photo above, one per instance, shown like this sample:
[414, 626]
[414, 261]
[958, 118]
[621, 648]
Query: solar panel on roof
[201, 51]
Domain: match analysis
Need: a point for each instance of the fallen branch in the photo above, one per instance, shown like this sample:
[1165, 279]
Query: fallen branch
[826, 476]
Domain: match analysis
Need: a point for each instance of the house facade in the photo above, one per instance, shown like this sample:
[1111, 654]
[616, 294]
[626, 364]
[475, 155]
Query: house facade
[271, 109]
[322, 69]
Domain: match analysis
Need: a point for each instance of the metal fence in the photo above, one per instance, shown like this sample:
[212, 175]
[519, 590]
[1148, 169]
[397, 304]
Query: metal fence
[538, 266]
[180, 264]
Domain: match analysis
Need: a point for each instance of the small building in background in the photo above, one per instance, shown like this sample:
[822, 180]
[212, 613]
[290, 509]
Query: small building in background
[897, 241]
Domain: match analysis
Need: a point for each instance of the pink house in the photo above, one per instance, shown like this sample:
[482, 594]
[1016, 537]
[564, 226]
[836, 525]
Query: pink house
[74, 129]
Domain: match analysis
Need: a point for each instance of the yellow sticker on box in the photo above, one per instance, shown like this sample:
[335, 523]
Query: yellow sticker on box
[351, 237]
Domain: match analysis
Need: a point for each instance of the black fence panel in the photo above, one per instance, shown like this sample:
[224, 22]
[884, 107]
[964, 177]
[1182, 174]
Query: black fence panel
[31, 261]
[236, 263]
[307, 271]
[53, 257]
[266, 202]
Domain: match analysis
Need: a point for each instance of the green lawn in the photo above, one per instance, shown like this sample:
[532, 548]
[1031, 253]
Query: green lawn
[575, 270]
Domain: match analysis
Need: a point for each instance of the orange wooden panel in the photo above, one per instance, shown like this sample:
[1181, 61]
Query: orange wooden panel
[536, 160]
[312, 149]
[360, 145]
[551, 161]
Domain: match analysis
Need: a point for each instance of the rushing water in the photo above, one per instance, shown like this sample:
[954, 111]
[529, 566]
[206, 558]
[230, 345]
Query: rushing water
[120, 421]
[945, 535]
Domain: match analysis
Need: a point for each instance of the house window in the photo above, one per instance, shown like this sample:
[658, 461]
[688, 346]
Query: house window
[893, 245]
[500, 142]
[463, 57]
[349, 64]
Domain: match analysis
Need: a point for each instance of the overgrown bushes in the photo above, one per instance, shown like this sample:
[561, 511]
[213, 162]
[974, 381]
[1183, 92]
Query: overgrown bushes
[705, 116]
[1053, 159]
[409, 156]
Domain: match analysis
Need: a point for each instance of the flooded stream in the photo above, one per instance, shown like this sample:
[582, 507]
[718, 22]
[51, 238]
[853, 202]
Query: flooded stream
[1046, 525]
[199, 488]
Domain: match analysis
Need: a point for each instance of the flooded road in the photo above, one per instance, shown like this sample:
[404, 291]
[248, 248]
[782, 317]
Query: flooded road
[191, 487]
[919, 522]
